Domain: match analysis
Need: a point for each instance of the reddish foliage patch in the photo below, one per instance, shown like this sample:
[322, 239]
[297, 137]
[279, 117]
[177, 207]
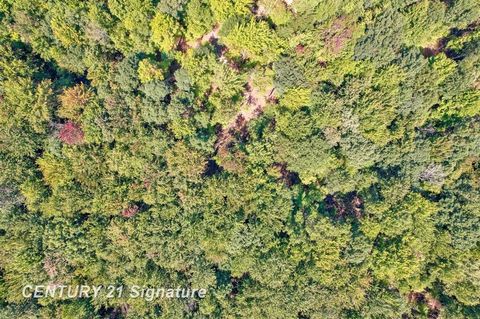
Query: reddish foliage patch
[434, 306]
[130, 211]
[147, 183]
[338, 35]
[71, 133]
[300, 49]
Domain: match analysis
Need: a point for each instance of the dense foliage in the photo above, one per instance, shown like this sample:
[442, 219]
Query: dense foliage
[300, 159]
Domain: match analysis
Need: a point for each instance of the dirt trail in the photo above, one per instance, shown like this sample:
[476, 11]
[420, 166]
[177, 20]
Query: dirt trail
[207, 37]
[289, 3]
[255, 102]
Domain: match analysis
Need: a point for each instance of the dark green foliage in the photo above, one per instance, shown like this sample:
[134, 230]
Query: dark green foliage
[381, 42]
[297, 159]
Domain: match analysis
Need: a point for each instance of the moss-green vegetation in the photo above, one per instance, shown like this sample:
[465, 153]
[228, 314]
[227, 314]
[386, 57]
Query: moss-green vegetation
[298, 159]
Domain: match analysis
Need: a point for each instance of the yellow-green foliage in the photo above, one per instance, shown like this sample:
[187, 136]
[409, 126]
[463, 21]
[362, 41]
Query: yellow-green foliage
[199, 19]
[400, 264]
[63, 23]
[97, 70]
[460, 276]
[425, 23]
[377, 107]
[41, 109]
[165, 30]
[125, 163]
[442, 67]
[305, 159]
[262, 79]
[276, 10]
[56, 171]
[469, 38]
[68, 35]
[294, 99]
[254, 40]
[200, 67]
[149, 71]
[29, 103]
[224, 9]
[181, 128]
[184, 161]
[466, 104]
[34, 192]
[132, 32]
[227, 82]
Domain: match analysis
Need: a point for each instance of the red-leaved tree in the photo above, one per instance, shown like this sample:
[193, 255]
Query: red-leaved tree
[71, 133]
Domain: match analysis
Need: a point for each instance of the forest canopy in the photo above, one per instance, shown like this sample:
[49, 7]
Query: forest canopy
[300, 159]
